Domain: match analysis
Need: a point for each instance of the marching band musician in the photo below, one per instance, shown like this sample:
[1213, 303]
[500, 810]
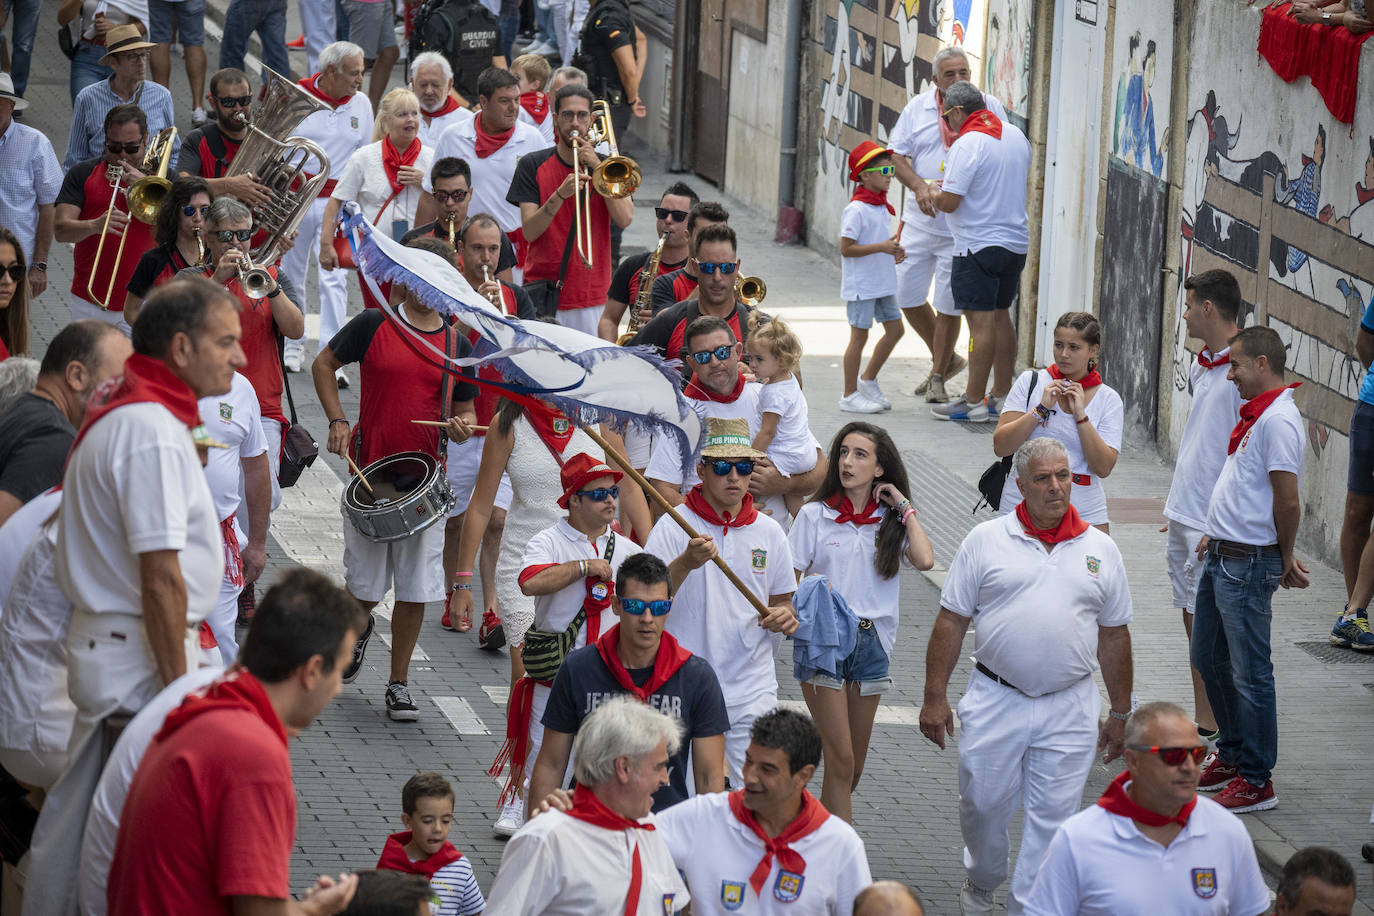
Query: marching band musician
[451, 182]
[671, 216]
[680, 284]
[207, 151]
[180, 236]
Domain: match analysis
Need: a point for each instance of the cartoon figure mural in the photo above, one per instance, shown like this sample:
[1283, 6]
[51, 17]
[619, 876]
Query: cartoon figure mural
[1133, 133]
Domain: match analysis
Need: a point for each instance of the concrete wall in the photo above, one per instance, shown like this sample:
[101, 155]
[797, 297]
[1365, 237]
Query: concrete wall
[754, 123]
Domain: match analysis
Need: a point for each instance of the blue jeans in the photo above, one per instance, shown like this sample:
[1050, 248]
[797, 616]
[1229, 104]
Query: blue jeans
[543, 25]
[86, 68]
[23, 26]
[340, 21]
[1231, 651]
[510, 27]
[268, 19]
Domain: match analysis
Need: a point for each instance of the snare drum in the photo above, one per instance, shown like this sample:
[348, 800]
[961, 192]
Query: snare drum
[409, 493]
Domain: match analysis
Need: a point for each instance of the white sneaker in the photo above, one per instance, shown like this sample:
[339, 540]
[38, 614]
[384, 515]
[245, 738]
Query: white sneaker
[341, 378]
[870, 390]
[542, 48]
[198, 118]
[974, 901]
[512, 818]
[292, 358]
[858, 403]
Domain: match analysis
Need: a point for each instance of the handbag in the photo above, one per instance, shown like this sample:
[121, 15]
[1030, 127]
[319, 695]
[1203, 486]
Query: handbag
[298, 448]
[995, 477]
[544, 293]
[343, 252]
[543, 651]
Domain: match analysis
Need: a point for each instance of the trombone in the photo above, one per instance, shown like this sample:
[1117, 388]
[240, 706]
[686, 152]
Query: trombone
[615, 177]
[118, 172]
[582, 215]
[143, 198]
[750, 291]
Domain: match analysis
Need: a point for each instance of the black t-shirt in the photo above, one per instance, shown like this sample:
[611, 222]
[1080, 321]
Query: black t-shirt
[666, 330]
[206, 152]
[692, 696]
[670, 289]
[34, 440]
[155, 268]
[625, 281]
[504, 261]
[609, 26]
[73, 189]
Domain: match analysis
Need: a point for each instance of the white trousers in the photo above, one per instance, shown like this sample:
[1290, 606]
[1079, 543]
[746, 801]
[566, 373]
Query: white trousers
[737, 738]
[584, 320]
[333, 283]
[1035, 751]
[223, 619]
[34, 767]
[83, 309]
[318, 26]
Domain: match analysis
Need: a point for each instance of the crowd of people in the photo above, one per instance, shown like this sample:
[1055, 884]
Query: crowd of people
[642, 593]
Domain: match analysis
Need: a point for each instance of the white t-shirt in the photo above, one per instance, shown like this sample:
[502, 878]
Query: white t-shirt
[665, 462]
[711, 619]
[990, 174]
[134, 485]
[873, 275]
[491, 176]
[562, 544]
[18, 531]
[364, 179]
[1001, 576]
[234, 419]
[1104, 413]
[1202, 453]
[916, 135]
[544, 127]
[1100, 864]
[431, 132]
[339, 133]
[844, 554]
[717, 854]
[557, 865]
[1242, 504]
[793, 449]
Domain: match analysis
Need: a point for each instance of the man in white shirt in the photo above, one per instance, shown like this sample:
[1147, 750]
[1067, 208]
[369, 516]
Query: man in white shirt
[1315, 881]
[1252, 522]
[28, 189]
[587, 860]
[712, 618]
[984, 198]
[1030, 712]
[1151, 844]
[1212, 303]
[431, 79]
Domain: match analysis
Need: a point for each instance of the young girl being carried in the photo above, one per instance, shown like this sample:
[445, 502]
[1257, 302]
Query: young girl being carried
[773, 352]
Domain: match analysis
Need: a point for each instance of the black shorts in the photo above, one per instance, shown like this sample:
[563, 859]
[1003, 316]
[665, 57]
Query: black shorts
[1360, 476]
[986, 279]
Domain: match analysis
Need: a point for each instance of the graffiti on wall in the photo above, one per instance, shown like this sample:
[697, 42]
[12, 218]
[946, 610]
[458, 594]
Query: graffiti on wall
[1008, 51]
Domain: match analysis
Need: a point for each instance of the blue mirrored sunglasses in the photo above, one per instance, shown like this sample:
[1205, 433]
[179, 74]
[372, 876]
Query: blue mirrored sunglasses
[189, 210]
[600, 493]
[635, 607]
[703, 357]
[710, 267]
[743, 468]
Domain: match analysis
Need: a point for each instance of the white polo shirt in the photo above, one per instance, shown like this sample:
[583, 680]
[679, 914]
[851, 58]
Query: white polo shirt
[873, 275]
[1202, 453]
[562, 544]
[990, 174]
[665, 462]
[717, 854]
[544, 127]
[557, 865]
[234, 419]
[339, 133]
[845, 555]
[1100, 864]
[711, 619]
[431, 132]
[491, 176]
[1036, 611]
[1242, 504]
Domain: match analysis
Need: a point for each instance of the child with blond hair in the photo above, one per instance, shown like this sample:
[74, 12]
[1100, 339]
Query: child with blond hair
[533, 72]
[773, 353]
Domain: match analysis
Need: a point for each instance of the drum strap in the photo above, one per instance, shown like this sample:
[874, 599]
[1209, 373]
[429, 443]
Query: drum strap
[446, 389]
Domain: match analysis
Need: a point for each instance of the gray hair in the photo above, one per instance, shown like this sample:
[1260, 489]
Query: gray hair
[945, 54]
[1143, 717]
[1035, 449]
[335, 54]
[620, 727]
[226, 210]
[430, 59]
[571, 74]
[17, 376]
[966, 96]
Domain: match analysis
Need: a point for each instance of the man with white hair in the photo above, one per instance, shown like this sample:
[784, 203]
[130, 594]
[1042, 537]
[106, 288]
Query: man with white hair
[603, 855]
[1030, 711]
[431, 79]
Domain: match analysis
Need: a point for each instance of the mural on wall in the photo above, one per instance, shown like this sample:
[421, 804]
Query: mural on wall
[1008, 49]
[1133, 130]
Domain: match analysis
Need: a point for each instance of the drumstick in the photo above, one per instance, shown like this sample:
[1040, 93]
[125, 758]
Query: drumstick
[476, 429]
[357, 470]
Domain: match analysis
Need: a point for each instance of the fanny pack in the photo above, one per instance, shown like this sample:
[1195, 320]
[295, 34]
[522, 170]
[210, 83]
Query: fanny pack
[543, 651]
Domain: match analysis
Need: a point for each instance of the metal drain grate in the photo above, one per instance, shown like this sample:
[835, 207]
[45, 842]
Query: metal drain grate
[1323, 651]
[946, 504]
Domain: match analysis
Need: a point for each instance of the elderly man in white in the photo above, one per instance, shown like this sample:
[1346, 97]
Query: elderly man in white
[431, 79]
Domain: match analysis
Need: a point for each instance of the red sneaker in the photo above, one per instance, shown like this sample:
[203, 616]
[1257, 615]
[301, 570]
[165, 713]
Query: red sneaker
[1241, 795]
[296, 44]
[463, 623]
[491, 635]
[1215, 774]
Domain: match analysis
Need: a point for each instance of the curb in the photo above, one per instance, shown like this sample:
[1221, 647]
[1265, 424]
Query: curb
[1273, 851]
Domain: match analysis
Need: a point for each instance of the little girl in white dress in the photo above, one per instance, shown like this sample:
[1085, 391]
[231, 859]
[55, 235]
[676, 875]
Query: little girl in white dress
[774, 353]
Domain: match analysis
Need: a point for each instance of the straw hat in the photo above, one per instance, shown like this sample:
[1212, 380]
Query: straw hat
[729, 438]
[123, 38]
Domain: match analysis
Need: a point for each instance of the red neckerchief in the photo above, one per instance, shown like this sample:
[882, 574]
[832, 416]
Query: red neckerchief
[395, 858]
[1117, 801]
[393, 159]
[865, 196]
[699, 391]
[669, 659]
[1250, 413]
[841, 503]
[947, 136]
[236, 690]
[311, 85]
[1091, 380]
[144, 379]
[487, 144]
[449, 107]
[592, 810]
[536, 105]
[1362, 194]
[4, 351]
[1211, 362]
[696, 501]
[546, 421]
[982, 122]
[595, 606]
[1070, 526]
[807, 821]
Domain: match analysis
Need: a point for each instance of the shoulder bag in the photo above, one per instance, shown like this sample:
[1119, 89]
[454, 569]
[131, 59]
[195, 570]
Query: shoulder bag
[543, 652]
[298, 448]
[544, 293]
[995, 477]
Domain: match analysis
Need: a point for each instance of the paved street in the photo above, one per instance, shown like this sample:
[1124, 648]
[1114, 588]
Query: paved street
[349, 768]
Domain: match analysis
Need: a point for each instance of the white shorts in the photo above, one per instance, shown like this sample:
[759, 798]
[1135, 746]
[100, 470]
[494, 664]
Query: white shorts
[461, 470]
[638, 446]
[1185, 569]
[928, 258]
[413, 565]
[83, 309]
[585, 320]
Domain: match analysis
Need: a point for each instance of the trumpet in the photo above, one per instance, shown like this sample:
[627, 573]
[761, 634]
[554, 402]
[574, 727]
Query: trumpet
[494, 297]
[750, 290]
[254, 279]
[582, 215]
[117, 171]
[617, 176]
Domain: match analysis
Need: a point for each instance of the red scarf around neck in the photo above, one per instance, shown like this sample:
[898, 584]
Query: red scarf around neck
[982, 122]
[807, 821]
[311, 84]
[393, 159]
[669, 659]
[1117, 801]
[866, 196]
[238, 689]
[947, 136]
[536, 105]
[4, 351]
[696, 501]
[1091, 380]
[1250, 413]
[449, 107]
[145, 379]
[395, 858]
[700, 392]
[841, 503]
[592, 810]
[552, 427]
[487, 144]
[1070, 526]
[1212, 362]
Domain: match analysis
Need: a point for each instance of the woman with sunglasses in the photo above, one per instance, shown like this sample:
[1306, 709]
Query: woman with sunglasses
[857, 531]
[14, 297]
[180, 237]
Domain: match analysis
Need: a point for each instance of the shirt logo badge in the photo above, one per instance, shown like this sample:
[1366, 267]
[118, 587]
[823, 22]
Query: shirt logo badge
[600, 590]
[1094, 565]
[1205, 882]
[758, 559]
[732, 895]
[226, 411]
[668, 904]
[353, 122]
[788, 886]
[1246, 441]
[561, 426]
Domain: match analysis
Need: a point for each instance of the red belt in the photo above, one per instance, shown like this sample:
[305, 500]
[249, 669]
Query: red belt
[1083, 480]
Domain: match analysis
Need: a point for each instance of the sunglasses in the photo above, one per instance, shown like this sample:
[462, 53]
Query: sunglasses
[444, 197]
[129, 148]
[635, 607]
[232, 101]
[946, 112]
[600, 494]
[15, 271]
[703, 357]
[676, 216]
[882, 169]
[725, 267]
[1173, 756]
[128, 57]
[228, 235]
[189, 210]
[721, 467]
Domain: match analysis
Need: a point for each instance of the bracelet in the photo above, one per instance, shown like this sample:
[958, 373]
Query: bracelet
[1119, 716]
[582, 568]
[908, 514]
[343, 420]
[1042, 411]
[468, 574]
[1083, 420]
[276, 291]
[462, 586]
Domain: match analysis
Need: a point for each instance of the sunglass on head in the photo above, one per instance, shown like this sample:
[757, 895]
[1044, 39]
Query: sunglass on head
[882, 169]
[721, 466]
[16, 272]
[189, 210]
[228, 235]
[725, 267]
[676, 216]
[230, 101]
[444, 197]
[1172, 756]
[600, 493]
[703, 357]
[129, 148]
[635, 607]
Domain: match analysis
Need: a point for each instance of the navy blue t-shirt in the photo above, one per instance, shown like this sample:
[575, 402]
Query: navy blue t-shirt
[692, 696]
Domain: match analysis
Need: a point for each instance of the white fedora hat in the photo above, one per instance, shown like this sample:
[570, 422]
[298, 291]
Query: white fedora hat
[7, 92]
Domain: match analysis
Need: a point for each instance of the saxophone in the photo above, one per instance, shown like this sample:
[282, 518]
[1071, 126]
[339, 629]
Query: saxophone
[645, 294]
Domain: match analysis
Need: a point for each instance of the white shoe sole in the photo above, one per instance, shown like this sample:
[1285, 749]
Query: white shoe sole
[403, 715]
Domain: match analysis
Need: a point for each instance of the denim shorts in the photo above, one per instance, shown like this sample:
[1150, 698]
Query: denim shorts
[187, 15]
[867, 666]
[1360, 475]
[861, 312]
[986, 279]
[371, 25]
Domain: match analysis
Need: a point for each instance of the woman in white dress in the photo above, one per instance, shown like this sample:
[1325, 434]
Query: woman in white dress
[1071, 404]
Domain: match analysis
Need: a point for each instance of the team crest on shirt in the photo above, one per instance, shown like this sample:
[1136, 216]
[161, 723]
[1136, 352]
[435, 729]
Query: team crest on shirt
[732, 895]
[600, 590]
[226, 411]
[758, 559]
[561, 426]
[668, 904]
[788, 886]
[1205, 882]
[353, 122]
[1246, 441]
[1094, 565]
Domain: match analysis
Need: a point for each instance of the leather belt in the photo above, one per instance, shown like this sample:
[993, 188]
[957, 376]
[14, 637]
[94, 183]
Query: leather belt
[984, 669]
[865, 623]
[1237, 550]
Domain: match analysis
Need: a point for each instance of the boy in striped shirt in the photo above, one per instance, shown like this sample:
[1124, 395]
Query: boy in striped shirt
[423, 848]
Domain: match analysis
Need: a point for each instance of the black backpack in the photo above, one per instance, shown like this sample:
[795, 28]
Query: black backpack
[465, 32]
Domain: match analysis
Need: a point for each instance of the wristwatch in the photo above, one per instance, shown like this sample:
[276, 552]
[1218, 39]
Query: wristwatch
[39, 265]
[1120, 716]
